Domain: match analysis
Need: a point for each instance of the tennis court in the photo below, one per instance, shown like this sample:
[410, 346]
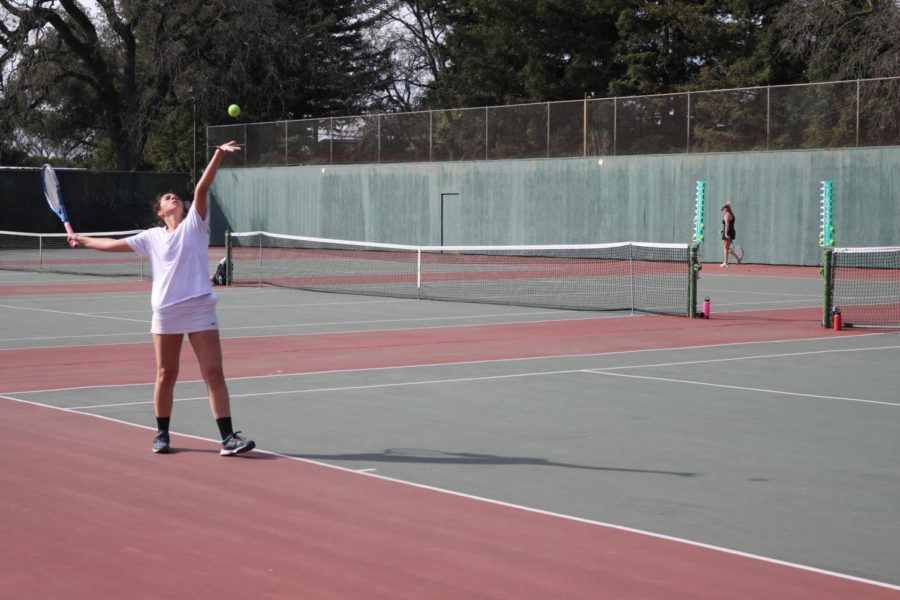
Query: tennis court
[426, 449]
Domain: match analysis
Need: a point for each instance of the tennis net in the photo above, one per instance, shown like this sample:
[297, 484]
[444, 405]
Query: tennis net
[51, 253]
[640, 277]
[864, 283]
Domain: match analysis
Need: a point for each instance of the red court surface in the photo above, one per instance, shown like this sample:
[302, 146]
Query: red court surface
[29, 369]
[89, 512]
[75, 288]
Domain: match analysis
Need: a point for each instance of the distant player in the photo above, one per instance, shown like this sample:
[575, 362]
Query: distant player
[183, 303]
[728, 234]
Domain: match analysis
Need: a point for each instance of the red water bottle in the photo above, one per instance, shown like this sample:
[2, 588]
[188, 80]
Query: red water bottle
[706, 308]
[836, 318]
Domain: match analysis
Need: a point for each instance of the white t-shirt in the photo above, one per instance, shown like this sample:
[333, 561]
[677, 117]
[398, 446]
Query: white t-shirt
[180, 260]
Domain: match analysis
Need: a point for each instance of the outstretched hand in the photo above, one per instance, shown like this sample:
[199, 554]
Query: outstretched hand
[231, 146]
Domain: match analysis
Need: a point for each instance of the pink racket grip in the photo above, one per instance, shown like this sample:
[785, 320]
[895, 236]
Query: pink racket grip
[70, 231]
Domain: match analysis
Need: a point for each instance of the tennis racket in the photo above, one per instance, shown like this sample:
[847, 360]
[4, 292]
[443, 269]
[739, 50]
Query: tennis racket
[53, 193]
[738, 252]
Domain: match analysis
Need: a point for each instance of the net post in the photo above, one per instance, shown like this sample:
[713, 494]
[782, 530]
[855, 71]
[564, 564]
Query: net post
[418, 273]
[631, 274]
[227, 256]
[692, 286]
[827, 295]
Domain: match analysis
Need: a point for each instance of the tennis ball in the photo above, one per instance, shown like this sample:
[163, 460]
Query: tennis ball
[234, 110]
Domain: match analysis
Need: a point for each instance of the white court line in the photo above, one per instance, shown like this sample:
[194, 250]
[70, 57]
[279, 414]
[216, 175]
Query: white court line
[81, 296]
[143, 332]
[734, 358]
[470, 362]
[219, 307]
[374, 386]
[598, 371]
[353, 331]
[768, 303]
[738, 387]
[416, 319]
[749, 293]
[603, 524]
[73, 314]
[304, 325]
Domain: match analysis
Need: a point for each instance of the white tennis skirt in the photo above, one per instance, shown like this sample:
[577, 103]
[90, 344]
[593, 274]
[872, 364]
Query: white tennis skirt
[187, 316]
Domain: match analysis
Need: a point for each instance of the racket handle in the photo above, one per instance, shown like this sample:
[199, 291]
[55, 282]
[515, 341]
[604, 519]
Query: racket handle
[70, 231]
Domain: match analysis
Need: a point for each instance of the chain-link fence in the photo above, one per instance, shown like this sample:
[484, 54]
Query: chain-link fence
[822, 115]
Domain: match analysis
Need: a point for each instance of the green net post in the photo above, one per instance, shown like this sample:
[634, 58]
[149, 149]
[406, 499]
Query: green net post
[227, 256]
[827, 233]
[700, 213]
[694, 276]
[827, 296]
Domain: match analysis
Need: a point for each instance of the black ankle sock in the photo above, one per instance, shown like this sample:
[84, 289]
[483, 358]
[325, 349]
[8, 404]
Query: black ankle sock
[162, 423]
[225, 427]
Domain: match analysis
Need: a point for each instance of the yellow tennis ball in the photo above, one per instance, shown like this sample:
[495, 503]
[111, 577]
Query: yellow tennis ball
[234, 110]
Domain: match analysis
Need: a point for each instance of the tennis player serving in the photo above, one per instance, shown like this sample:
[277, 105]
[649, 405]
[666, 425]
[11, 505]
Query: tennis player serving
[183, 303]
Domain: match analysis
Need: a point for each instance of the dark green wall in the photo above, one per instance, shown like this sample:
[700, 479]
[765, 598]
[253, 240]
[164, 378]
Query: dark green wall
[94, 201]
[775, 197]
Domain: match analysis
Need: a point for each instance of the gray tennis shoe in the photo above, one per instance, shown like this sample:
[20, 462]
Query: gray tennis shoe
[161, 443]
[235, 444]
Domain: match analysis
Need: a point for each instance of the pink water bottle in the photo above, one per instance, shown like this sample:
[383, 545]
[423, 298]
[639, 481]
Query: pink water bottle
[706, 308]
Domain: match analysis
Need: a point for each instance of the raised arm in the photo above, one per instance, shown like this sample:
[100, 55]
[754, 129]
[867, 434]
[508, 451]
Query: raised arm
[104, 244]
[208, 175]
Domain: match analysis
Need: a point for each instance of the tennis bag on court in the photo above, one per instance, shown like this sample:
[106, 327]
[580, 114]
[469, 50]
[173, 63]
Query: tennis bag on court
[218, 277]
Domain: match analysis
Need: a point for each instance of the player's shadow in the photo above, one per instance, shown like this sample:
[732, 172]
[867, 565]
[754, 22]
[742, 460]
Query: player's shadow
[423, 456]
[244, 456]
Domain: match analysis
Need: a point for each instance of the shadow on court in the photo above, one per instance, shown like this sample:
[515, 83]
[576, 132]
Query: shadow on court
[419, 456]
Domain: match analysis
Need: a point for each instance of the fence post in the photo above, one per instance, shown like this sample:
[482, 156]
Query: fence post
[548, 130]
[688, 133]
[486, 113]
[857, 113]
[615, 126]
[584, 129]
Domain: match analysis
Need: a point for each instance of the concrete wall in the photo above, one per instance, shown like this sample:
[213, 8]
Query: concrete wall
[775, 197]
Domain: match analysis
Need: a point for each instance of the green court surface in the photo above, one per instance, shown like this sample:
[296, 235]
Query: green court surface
[781, 447]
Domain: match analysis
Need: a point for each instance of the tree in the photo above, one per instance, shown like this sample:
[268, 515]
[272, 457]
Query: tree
[842, 39]
[677, 45]
[411, 34]
[856, 39]
[506, 51]
[112, 75]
